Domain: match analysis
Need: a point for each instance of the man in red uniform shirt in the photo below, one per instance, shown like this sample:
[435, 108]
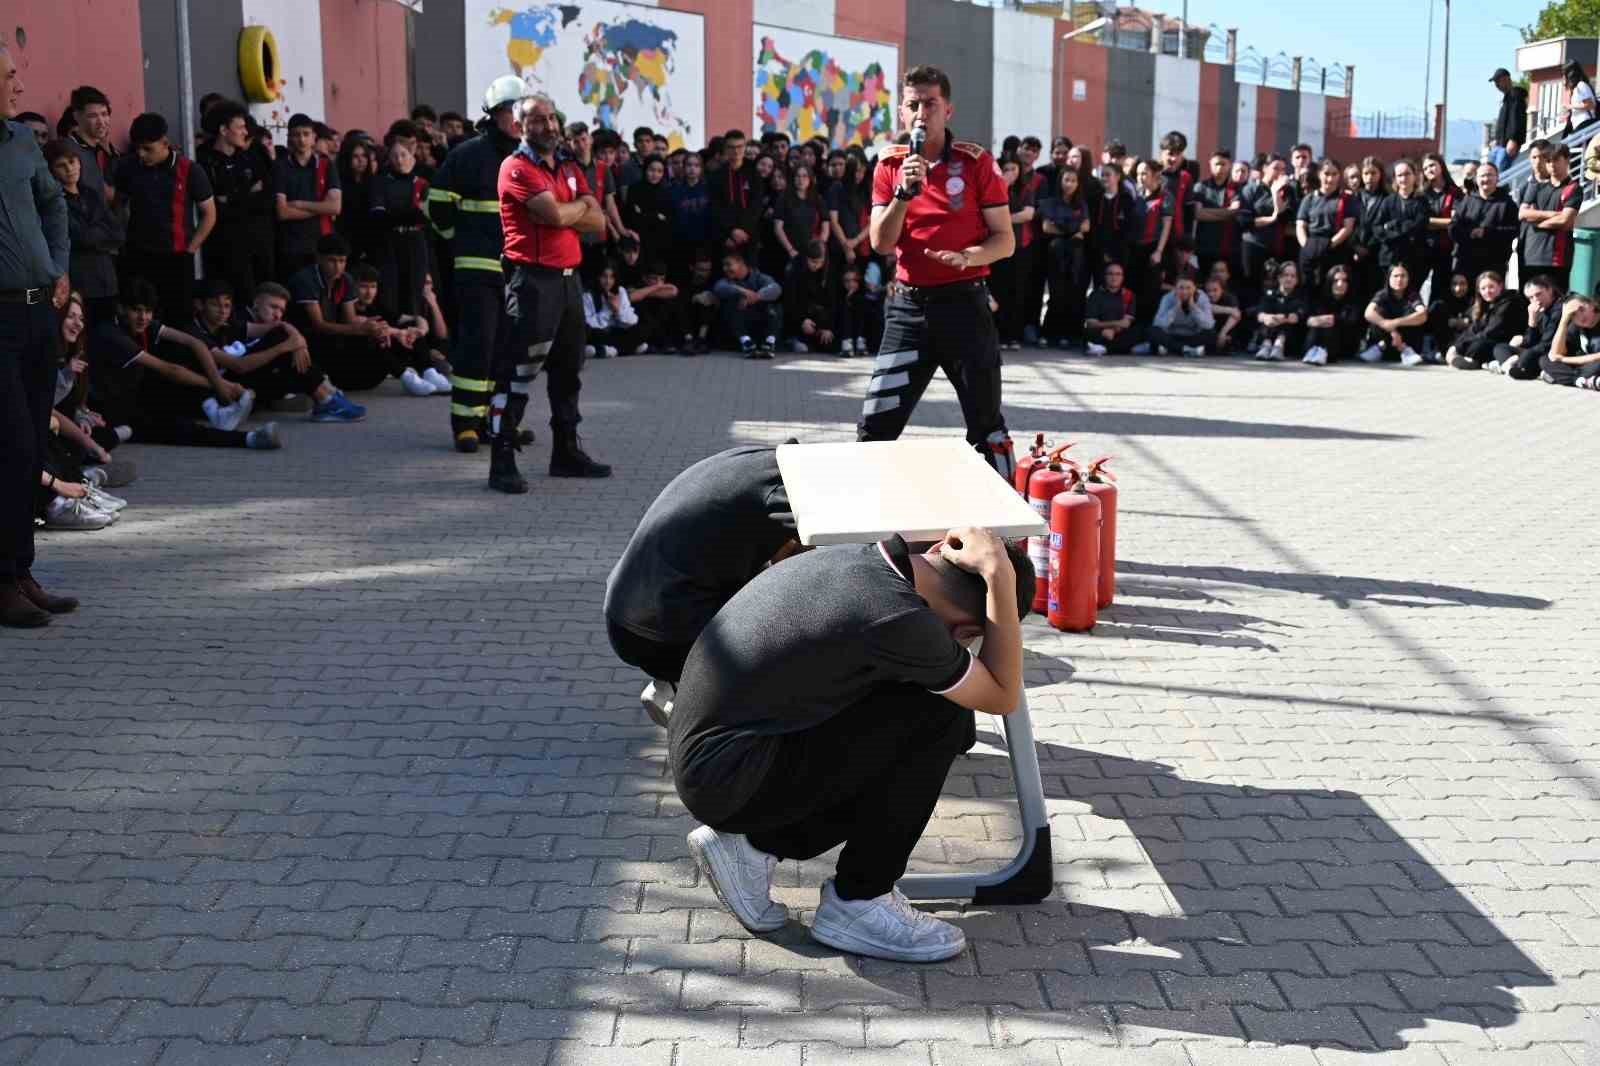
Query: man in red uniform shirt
[944, 212]
[545, 203]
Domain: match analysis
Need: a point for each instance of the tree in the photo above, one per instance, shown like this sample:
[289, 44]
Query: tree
[1565, 18]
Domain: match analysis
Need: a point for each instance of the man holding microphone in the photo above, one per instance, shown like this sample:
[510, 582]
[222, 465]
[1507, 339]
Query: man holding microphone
[941, 206]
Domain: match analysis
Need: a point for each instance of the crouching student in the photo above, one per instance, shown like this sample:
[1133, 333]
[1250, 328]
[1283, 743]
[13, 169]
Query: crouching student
[859, 324]
[698, 303]
[139, 379]
[1184, 321]
[713, 528]
[1520, 357]
[1396, 317]
[1337, 322]
[419, 368]
[1448, 315]
[808, 302]
[613, 324]
[1225, 309]
[748, 307]
[1109, 317]
[824, 705]
[1281, 318]
[655, 301]
[265, 354]
[1496, 317]
[1574, 357]
[324, 310]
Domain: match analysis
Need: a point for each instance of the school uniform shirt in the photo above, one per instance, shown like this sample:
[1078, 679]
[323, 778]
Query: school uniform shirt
[234, 181]
[1400, 229]
[1369, 214]
[1068, 215]
[1180, 184]
[854, 210]
[1582, 341]
[737, 201]
[1324, 216]
[115, 376]
[703, 537]
[947, 215]
[691, 214]
[1347, 312]
[1497, 217]
[811, 639]
[308, 286]
[1019, 198]
[1274, 302]
[1157, 206]
[311, 182]
[1543, 247]
[1395, 305]
[1219, 240]
[160, 202]
[1273, 239]
[1442, 203]
[1106, 306]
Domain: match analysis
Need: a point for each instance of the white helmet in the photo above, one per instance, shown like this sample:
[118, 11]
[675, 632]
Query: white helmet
[506, 89]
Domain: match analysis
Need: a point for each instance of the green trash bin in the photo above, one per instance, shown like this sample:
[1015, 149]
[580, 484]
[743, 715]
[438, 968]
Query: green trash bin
[1585, 243]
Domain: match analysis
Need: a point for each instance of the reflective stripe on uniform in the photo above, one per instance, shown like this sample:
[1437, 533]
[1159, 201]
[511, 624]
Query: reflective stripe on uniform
[443, 195]
[477, 262]
[482, 207]
[470, 384]
[890, 360]
[888, 382]
[541, 348]
[469, 412]
[880, 403]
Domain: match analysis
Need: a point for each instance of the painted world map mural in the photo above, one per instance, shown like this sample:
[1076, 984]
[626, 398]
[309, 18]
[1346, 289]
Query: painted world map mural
[808, 84]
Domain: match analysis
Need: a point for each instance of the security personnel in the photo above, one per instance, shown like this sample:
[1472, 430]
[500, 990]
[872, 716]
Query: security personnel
[464, 207]
[545, 203]
[946, 214]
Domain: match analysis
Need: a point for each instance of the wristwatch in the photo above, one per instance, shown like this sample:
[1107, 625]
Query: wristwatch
[904, 194]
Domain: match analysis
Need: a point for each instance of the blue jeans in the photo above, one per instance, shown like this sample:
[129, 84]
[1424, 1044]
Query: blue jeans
[1500, 159]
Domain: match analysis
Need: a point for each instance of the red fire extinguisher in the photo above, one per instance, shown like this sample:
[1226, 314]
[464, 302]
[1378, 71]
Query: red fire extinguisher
[1045, 480]
[1036, 454]
[1074, 557]
[1102, 486]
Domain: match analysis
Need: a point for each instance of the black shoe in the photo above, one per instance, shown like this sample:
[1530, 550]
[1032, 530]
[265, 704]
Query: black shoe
[747, 348]
[524, 437]
[16, 610]
[467, 441]
[503, 473]
[570, 460]
[42, 599]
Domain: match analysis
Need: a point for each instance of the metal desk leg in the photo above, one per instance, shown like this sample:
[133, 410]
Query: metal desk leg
[1028, 877]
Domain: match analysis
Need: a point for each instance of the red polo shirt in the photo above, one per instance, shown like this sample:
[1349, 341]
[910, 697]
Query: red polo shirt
[947, 215]
[527, 240]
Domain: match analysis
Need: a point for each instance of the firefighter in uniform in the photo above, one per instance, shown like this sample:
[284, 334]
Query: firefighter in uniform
[464, 207]
[944, 212]
[545, 203]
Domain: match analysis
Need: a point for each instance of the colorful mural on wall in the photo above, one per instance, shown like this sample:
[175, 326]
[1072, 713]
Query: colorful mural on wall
[810, 84]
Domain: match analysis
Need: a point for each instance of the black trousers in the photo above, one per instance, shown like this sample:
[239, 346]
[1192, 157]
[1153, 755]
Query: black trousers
[545, 306]
[27, 385]
[1005, 284]
[1566, 373]
[481, 328]
[654, 657]
[354, 364]
[661, 323]
[169, 413]
[1068, 282]
[1032, 277]
[242, 254]
[946, 328]
[868, 778]
[1342, 340]
[1317, 258]
[1161, 338]
[1526, 367]
[1119, 343]
[279, 378]
[1144, 279]
[758, 321]
[172, 275]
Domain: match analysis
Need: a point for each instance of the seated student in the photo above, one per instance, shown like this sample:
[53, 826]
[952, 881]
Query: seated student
[1109, 316]
[808, 301]
[325, 311]
[655, 301]
[1448, 316]
[859, 324]
[1574, 356]
[1225, 309]
[1497, 315]
[713, 528]
[266, 354]
[419, 368]
[155, 395]
[1336, 324]
[1397, 318]
[1519, 358]
[748, 307]
[698, 304]
[613, 324]
[1184, 321]
[797, 730]
[1281, 318]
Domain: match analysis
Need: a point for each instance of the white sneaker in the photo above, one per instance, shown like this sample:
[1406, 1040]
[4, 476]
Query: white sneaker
[227, 417]
[62, 513]
[1096, 350]
[1410, 358]
[439, 382]
[1317, 356]
[657, 698]
[1373, 354]
[415, 383]
[588, 351]
[799, 347]
[885, 927]
[104, 501]
[608, 352]
[847, 347]
[741, 876]
[643, 349]
[1193, 351]
[861, 346]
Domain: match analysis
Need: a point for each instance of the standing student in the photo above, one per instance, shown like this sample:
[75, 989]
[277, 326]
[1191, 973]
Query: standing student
[170, 214]
[357, 165]
[1179, 181]
[1006, 278]
[1365, 275]
[1549, 213]
[1147, 258]
[1272, 207]
[1220, 217]
[1401, 226]
[799, 219]
[92, 139]
[648, 210]
[1336, 323]
[1444, 196]
[738, 198]
[1281, 318]
[1326, 226]
[95, 231]
[1497, 315]
[1065, 223]
[402, 250]
[241, 247]
[1396, 317]
[1120, 218]
[849, 213]
[1574, 356]
[305, 188]
[1110, 318]
[1519, 358]
[945, 216]
[1484, 226]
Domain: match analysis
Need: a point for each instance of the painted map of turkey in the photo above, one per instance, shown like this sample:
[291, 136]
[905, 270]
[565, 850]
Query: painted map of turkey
[623, 59]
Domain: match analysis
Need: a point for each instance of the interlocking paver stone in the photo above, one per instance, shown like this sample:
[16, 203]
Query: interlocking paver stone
[354, 777]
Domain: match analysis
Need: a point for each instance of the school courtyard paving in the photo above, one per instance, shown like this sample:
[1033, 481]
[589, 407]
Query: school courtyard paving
[335, 765]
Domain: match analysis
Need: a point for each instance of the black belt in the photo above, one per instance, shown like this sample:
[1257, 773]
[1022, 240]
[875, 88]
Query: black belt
[539, 268]
[24, 296]
[925, 293]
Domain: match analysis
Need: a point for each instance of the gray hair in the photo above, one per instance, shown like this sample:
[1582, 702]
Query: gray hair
[525, 104]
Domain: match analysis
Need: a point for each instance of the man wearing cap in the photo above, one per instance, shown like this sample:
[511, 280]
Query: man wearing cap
[944, 211]
[1511, 127]
[33, 270]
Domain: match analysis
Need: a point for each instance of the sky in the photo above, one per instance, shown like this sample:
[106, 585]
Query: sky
[1386, 40]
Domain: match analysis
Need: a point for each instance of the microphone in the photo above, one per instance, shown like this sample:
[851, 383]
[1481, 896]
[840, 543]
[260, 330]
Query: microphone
[919, 137]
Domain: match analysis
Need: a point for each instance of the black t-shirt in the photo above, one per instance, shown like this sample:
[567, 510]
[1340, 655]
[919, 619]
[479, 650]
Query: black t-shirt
[1393, 305]
[811, 638]
[708, 533]
[1543, 247]
[1324, 216]
[307, 286]
[160, 201]
[114, 376]
[311, 182]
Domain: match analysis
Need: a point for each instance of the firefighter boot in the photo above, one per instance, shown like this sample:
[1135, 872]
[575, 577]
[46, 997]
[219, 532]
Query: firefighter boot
[568, 459]
[503, 473]
[524, 435]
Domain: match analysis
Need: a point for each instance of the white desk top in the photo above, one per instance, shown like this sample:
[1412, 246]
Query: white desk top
[856, 493]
